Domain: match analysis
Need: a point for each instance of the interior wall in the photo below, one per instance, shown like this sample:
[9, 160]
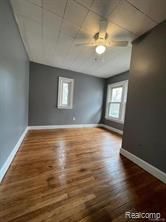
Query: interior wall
[144, 129]
[14, 79]
[114, 79]
[87, 103]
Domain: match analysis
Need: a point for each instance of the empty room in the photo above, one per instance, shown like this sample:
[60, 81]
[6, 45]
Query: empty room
[82, 110]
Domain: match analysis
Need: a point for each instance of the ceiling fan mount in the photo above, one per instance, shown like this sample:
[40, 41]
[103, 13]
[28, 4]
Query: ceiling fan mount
[98, 37]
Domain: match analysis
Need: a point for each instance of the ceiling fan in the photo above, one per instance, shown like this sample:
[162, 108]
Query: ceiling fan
[102, 41]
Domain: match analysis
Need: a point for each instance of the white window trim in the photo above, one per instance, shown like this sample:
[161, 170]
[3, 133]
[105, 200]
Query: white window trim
[60, 83]
[124, 84]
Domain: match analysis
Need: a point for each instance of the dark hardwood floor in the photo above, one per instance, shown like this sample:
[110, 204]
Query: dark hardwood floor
[76, 175]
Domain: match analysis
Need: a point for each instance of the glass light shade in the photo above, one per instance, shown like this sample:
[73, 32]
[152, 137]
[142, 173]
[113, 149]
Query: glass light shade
[100, 49]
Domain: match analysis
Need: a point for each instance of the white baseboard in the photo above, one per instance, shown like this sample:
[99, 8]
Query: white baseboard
[74, 126]
[143, 164]
[45, 127]
[62, 126]
[112, 129]
[10, 158]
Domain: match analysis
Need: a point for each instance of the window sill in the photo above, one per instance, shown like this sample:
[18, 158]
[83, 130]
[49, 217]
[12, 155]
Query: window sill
[114, 120]
[62, 107]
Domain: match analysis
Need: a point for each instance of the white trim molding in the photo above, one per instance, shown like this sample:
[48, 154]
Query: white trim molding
[45, 127]
[62, 126]
[10, 158]
[122, 103]
[143, 164]
[69, 82]
[112, 129]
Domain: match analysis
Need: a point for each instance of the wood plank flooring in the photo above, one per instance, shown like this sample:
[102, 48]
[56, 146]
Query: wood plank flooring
[76, 175]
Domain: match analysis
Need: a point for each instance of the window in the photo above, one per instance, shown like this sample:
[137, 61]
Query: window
[65, 93]
[116, 101]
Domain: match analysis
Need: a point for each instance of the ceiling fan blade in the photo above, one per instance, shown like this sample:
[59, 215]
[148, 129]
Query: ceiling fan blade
[118, 43]
[85, 44]
[103, 29]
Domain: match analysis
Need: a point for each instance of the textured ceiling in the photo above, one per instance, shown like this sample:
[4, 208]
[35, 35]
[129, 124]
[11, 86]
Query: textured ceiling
[51, 28]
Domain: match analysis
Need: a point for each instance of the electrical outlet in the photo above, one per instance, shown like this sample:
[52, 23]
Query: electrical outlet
[74, 118]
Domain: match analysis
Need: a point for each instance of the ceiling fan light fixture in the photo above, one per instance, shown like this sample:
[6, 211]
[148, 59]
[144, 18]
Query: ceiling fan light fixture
[100, 49]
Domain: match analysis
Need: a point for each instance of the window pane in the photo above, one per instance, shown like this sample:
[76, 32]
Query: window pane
[65, 93]
[116, 94]
[114, 110]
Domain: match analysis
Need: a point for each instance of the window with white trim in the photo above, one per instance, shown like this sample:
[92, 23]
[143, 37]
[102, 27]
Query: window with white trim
[65, 93]
[116, 101]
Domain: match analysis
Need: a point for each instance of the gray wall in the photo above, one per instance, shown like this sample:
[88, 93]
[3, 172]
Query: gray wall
[14, 72]
[88, 97]
[112, 80]
[145, 124]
